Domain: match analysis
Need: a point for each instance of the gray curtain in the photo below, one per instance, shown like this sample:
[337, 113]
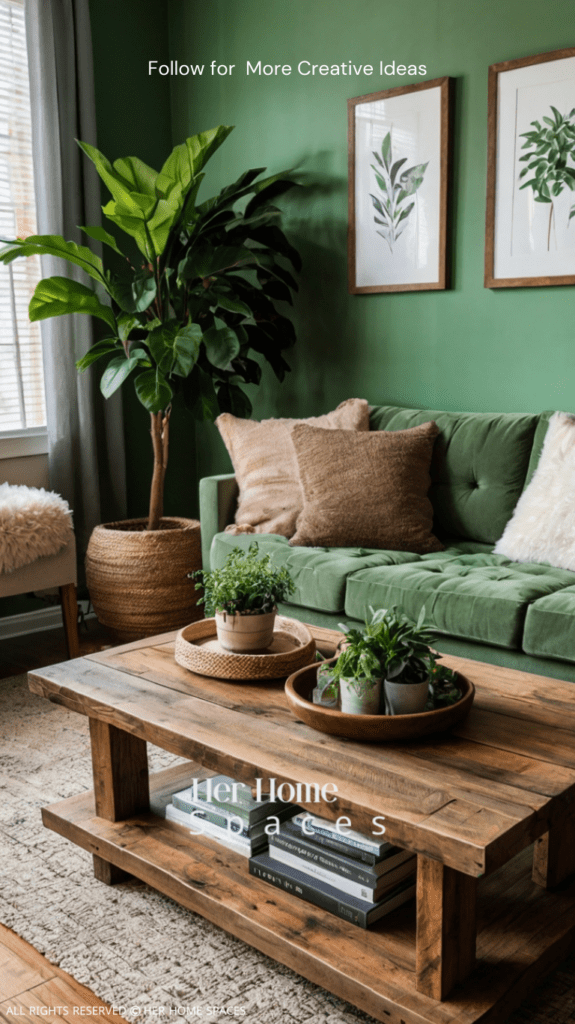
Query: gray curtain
[87, 464]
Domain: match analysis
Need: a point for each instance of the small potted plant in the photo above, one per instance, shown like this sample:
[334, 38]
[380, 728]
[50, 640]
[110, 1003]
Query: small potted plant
[357, 673]
[243, 595]
[407, 661]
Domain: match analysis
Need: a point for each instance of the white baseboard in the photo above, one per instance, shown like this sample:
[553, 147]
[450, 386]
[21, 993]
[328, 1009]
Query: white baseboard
[35, 622]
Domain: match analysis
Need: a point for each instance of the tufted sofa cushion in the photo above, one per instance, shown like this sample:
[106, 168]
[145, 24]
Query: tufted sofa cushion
[480, 596]
[478, 470]
[320, 574]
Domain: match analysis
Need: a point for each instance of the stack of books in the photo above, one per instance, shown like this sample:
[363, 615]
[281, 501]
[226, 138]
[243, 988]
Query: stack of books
[351, 875]
[225, 810]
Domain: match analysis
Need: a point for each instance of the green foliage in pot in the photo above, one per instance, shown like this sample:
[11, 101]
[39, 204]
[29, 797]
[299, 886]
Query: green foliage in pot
[402, 645]
[192, 297]
[246, 584]
[359, 663]
[402, 650]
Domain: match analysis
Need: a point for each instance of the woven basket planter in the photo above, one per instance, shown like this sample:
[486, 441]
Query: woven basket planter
[138, 579]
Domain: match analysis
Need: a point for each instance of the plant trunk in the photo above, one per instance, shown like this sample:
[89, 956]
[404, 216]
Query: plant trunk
[549, 228]
[160, 431]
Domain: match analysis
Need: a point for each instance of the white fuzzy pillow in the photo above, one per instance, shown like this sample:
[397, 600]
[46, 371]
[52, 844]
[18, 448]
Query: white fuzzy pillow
[542, 527]
[33, 523]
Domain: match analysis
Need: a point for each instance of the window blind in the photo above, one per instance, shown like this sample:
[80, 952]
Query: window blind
[21, 373]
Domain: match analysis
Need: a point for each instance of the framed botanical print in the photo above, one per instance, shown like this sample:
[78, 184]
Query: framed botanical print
[399, 167]
[530, 224]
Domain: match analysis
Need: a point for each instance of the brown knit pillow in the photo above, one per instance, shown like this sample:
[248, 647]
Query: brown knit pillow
[265, 464]
[366, 490]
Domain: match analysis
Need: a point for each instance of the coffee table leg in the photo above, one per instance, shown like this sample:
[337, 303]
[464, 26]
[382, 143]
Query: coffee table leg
[446, 927]
[554, 854]
[120, 766]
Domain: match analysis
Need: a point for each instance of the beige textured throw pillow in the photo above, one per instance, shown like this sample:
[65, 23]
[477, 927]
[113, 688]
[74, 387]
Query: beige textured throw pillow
[366, 490]
[266, 468]
[542, 527]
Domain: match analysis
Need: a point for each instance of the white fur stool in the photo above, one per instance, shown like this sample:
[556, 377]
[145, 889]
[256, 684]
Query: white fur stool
[38, 550]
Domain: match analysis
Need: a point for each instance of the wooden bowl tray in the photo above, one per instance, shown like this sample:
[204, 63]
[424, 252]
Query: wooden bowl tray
[198, 649]
[372, 728]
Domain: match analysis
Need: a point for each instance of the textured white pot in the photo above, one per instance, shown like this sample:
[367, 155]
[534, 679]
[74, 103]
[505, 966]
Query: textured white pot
[243, 633]
[405, 698]
[353, 703]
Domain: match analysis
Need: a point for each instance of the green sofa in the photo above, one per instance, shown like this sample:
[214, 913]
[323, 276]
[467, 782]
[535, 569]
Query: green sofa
[485, 606]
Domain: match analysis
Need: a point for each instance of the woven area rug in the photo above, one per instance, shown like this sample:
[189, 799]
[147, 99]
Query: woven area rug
[133, 947]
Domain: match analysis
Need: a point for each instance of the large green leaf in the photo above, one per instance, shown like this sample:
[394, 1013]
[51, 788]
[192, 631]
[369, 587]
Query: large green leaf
[134, 291]
[232, 399]
[231, 303]
[186, 349]
[101, 235]
[161, 344]
[54, 245]
[153, 390]
[101, 348]
[121, 187]
[200, 396]
[186, 161]
[117, 370]
[207, 261]
[222, 346]
[56, 296]
[140, 177]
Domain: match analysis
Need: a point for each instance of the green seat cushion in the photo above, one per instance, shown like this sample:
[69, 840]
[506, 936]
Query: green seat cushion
[319, 574]
[478, 470]
[477, 596]
[550, 625]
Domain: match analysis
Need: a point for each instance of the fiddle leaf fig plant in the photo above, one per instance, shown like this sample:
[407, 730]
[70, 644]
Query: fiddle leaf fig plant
[191, 294]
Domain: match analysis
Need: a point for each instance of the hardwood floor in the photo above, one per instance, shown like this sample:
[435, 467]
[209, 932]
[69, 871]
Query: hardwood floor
[36, 650]
[29, 984]
[30, 987]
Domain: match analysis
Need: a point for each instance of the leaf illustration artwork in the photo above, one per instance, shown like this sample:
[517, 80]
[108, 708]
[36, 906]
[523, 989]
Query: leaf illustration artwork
[551, 161]
[396, 187]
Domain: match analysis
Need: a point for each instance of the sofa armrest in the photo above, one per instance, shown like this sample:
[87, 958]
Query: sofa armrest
[218, 500]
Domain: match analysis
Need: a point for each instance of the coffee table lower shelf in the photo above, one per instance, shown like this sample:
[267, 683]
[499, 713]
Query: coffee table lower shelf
[523, 930]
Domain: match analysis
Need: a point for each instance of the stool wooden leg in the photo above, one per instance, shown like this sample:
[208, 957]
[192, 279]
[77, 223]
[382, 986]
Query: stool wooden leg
[554, 854]
[70, 616]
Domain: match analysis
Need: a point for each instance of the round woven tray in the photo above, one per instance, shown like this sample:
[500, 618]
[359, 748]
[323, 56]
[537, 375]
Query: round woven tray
[373, 728]
[198, 650]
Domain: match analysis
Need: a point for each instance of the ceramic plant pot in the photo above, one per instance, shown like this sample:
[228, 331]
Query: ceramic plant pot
[366, 702]
[405, 698]
[243, 633]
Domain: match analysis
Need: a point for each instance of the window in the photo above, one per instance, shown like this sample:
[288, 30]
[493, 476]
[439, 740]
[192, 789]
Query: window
[22, 405]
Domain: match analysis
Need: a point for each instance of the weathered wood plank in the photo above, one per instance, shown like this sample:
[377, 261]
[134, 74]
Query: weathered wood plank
[446, 927]
[523, 928]
[548, 743]
[379, 782]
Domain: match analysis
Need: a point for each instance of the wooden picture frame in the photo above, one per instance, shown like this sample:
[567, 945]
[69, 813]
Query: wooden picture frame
[529, 234]
[397, 236]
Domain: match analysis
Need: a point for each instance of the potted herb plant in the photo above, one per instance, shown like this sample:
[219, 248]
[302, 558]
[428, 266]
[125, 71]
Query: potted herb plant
[188, 298]
[357, 673]
[406, 659]
[243, 596]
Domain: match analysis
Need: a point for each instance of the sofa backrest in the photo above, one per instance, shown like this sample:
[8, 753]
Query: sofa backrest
[479, 466]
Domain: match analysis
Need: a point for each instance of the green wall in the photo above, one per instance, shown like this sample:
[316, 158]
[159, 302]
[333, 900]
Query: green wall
[468, 348]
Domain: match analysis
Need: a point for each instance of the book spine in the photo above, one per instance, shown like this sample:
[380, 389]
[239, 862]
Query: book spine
[307, 892]
[325, 858]
[315, 870]
[348, 841]
[332, 842]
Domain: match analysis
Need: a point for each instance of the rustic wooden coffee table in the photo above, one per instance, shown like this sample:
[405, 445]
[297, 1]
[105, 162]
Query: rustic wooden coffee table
[486, 926]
